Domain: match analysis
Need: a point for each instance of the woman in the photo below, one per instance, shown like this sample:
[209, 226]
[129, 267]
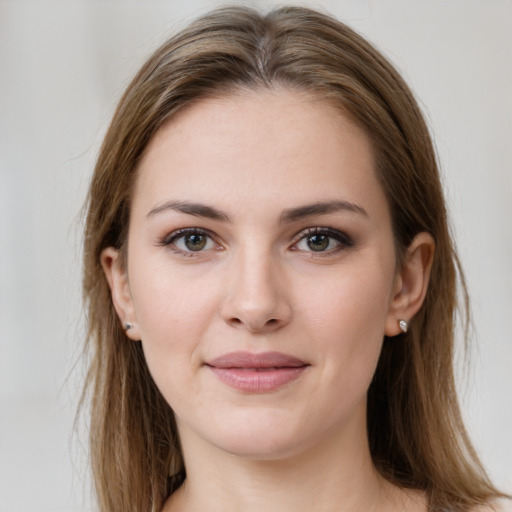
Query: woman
[271, 282]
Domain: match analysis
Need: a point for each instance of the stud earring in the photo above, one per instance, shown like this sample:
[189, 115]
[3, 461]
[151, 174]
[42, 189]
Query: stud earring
[403, 325]
[127, 326]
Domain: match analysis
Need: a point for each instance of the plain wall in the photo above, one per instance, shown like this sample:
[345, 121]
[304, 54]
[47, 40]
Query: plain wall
[63, 66]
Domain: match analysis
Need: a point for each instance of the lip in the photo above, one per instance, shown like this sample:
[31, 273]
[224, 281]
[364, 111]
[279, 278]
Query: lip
[256, 373]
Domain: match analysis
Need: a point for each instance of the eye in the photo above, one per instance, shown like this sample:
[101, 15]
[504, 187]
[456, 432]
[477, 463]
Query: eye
[323, 240]
[190, 240]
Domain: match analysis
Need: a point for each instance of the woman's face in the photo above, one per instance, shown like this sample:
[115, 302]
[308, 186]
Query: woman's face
[261, 273]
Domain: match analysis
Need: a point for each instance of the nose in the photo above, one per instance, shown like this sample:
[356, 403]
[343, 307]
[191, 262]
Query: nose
[256, 294]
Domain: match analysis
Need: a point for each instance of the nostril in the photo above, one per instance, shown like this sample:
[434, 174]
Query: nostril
[236, 321]
[272, 323]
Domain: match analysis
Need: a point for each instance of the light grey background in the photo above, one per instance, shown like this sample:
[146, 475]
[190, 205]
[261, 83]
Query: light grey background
[63, 66]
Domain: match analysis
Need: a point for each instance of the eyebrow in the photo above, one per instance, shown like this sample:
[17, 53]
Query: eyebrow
[195, 209]
[321, 208]
[288, 215]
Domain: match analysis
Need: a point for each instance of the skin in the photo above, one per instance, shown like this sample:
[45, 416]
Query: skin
[257, 285]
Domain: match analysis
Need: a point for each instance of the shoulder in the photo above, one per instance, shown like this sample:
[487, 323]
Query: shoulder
[502, 505]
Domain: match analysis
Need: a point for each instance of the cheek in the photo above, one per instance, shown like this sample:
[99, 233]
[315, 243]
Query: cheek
[173, 311]
[168, 300]
[353, 301]
[347, 320]
[173, 316]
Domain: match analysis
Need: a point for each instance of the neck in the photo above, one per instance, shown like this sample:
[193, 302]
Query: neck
[333, 476]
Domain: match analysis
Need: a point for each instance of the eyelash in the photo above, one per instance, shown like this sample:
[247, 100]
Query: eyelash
[342, 240]
[171, 240]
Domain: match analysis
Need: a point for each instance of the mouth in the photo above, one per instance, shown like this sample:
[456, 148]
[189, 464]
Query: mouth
[257, 373]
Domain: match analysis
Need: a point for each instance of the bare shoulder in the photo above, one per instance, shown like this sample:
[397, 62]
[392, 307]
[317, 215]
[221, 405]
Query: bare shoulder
[503, 505]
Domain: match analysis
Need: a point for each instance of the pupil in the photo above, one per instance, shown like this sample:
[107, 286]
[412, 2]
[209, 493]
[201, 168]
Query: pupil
[318, 242]
[195, 242]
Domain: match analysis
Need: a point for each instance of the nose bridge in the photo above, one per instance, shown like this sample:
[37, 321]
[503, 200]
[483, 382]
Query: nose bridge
[256, 299]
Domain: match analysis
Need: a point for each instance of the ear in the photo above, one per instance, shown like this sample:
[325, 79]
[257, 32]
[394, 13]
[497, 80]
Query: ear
[117, 277]
[411, 282]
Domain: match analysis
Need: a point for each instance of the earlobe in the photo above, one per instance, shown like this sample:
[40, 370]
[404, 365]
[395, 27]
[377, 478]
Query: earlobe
[411, 284]
[117, 278]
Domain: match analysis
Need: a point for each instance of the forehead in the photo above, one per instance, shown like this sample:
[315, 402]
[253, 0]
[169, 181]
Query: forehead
[272, 144]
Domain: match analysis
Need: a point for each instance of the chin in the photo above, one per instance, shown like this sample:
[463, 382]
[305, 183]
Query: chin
[262, 447]
[265, 438]
[268, 435]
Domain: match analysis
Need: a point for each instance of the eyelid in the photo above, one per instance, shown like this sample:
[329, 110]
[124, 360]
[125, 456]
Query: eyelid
[169, 240]
[169, 237]
[341, 237]
[344, 240]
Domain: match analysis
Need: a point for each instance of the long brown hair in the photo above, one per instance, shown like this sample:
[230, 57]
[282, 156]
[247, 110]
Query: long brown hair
[416, 435]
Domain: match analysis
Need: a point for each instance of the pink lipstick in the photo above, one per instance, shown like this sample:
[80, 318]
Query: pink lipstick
[256, 373]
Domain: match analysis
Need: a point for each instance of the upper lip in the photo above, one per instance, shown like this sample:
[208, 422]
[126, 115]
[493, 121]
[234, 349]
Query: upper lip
[250, 360]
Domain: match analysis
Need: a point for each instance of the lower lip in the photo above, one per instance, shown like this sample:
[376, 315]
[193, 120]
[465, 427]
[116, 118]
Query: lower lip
[257, 381]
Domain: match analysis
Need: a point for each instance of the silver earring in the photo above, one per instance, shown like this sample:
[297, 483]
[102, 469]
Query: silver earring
[403, 325]
[127, 326]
